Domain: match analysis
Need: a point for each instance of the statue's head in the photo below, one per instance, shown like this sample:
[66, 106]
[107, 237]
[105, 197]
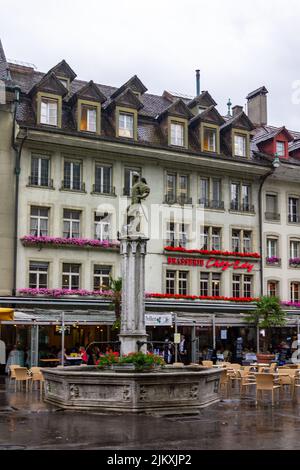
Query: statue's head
[135, 177]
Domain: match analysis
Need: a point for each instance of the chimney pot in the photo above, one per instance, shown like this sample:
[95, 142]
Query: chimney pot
[197, 82]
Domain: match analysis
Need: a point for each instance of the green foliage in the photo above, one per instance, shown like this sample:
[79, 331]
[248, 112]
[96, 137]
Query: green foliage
[268, 313]
[115, 286]
[141, 360]
[108, 360]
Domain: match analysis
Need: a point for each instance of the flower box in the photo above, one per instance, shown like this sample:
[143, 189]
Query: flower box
[58, 293]
[60, 242]
[233, 254]
[273, 260]
[151, 295]
[294, 262]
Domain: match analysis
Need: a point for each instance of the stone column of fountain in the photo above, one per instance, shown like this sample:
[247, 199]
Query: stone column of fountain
[133, 329]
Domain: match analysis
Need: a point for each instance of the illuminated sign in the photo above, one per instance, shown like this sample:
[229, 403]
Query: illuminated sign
[210, 263]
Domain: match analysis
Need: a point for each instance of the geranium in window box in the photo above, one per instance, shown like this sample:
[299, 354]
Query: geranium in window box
[295, 262]
[273, 260]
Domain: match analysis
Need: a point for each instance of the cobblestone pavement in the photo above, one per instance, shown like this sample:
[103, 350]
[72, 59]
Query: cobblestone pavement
[26, 422]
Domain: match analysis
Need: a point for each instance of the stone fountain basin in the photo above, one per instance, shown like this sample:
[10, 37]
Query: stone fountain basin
[167, 391]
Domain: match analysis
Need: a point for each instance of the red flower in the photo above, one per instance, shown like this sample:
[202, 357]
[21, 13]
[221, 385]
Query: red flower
[212, 252]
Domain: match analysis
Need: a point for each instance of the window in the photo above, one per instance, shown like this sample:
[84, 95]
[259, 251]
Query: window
[240, 145]
[177, 188]
[40, 171]
[211, 193]
[204, 238]
[295, 291]
[177, 234]
[215, 238]
[126, 125]
[102, 223]
[272, 247]
[71, 224]
[293, 210]
[39, 217]
[241, 241]
[272, 207]
[273, 288]
[241, 197]
[71, 276]
[210, 139]
[210, 238]
[64, 82]
[294, 249]
[38, 275]
[280, 149]
[177, 134]
[103, 177]
[88, 120]
[49, 108]
[204, 284]
[217, 193]
[72, 176]
[204, 192]
[102, 276]
[128, 179]
[241, 285]
[210, 284]
[177, 282]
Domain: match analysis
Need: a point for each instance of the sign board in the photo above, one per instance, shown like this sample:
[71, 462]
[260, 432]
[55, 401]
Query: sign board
[152, 319]
[223, 334]
[176, 338]
[224, 265]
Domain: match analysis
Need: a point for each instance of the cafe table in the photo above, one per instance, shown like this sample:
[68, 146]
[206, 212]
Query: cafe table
[50, 361]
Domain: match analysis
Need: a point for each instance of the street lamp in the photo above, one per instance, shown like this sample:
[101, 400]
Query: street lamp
[276, 161]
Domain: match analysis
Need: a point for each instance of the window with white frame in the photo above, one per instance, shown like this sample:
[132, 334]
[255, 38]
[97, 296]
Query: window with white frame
[102, 226]
[49, 111]
[242, 285]
[241, 197]
[38, 275]
[280, 149]
[177, 188]
[204, 284]
[204, 238]
[126, 125]
[39, 218]
[177, 282]
[293, 206]
[273, 288]
[177, 234]
[236, 285]
[88, 120]
[240, 145]
[247, 241]
[216, 238]
[102, 276]
[71, 276]
[129, 179]
[210, 139]
[272, 207]
[294, 249]
[241, 241]
[40, 170]
[177, 134]
[204, 191]
[210, 284]
[272, 247]
[71, 223]
[72, 175]
[295, 292]
[216, 285]
[103, 178]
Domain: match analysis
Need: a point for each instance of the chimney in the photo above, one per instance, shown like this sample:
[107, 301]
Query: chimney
[197, 82]
[237, 110]
[257, 106]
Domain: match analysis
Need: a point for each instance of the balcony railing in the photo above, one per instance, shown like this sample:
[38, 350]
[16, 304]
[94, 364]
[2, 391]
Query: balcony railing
[72, 186]
[272, 216]
[109, 190]
[294, 218]
[41, 182]
[235, 206]
[181, 199]
[212, 204]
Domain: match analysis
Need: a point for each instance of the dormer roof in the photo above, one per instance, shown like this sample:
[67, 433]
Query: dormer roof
[210, 114]
[239, 121]
[134, 83]
[273, 134]
[62, 69]
[176, 109]
[49, 84]
[89, 92]
[205, 100]
[127, 99]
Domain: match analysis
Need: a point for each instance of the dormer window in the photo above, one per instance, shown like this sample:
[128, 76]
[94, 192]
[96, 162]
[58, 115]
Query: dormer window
[64, 82]
[280, 149]
[88, 121]
[209, 139]
[177, 134]
[49, 111]
[240, 145]
[126, 125]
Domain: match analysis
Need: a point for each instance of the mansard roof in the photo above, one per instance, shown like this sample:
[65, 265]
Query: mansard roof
[49, 84]
[176, 109]
[88, 92]
[134, 83]
[205, 100]
[210, 114]
[62, 69]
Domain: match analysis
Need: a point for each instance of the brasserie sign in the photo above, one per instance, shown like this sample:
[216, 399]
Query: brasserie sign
[210, 263]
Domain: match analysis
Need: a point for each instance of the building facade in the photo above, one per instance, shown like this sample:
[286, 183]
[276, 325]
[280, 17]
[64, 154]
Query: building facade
[212, 241]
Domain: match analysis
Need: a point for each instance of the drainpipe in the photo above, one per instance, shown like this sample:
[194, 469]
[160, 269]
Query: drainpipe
[18, 152]
[275, 164]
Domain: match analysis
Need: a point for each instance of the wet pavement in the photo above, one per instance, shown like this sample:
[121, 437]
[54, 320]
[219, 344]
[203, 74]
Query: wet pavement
[26, 422]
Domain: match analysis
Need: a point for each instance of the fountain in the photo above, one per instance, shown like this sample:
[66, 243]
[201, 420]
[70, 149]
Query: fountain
[166, 390]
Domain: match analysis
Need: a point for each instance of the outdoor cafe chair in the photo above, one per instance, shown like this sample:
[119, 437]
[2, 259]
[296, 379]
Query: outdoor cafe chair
[266, 382]
[12, 375]
[286, 378]
[37, 377]
[21, 377]
[247, 379]
[225, 382]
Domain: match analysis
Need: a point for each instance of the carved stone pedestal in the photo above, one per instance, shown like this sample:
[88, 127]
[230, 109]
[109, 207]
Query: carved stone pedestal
[133, 251]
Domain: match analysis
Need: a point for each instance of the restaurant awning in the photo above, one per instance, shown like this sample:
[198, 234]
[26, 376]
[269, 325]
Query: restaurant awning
[6, 314]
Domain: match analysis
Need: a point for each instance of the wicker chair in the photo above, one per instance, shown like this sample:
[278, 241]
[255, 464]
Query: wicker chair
[266, 382]
[21, 377]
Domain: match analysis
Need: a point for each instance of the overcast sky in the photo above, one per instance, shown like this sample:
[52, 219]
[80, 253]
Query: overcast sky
[238, 45]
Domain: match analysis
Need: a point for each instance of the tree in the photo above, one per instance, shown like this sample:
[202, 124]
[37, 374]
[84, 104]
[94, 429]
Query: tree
[268, 314]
